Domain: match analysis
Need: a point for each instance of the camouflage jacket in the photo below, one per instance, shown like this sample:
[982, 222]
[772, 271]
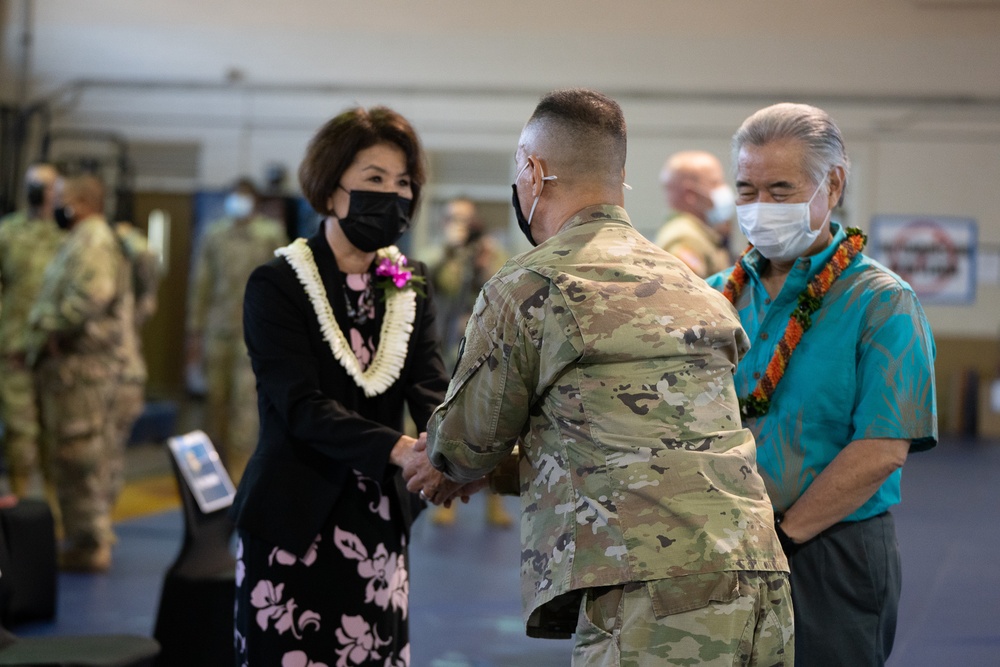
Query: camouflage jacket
[144, 266]
[695, 243]
[612, 364]
[85, 305]
[227, 256]
[27, 245]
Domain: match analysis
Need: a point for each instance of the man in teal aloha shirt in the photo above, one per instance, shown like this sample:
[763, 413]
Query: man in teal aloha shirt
[645, 527]
[838, 386]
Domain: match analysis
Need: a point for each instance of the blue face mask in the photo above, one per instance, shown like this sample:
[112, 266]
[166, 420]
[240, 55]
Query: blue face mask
[239, 206]
[522, 222]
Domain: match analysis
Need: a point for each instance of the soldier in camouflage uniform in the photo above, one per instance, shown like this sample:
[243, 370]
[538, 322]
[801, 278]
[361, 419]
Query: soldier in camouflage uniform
[28, 241]
[646, 529]
[703, 208]
[130, 395]
[78, 331]
[230, 250]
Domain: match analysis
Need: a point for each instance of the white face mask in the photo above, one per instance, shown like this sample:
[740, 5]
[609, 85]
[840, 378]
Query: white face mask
[723, 205]
[779, 231]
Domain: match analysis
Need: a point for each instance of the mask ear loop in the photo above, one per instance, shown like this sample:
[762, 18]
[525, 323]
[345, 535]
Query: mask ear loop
[809, 203]
[330, 213]
[818, 188]
[544, 178]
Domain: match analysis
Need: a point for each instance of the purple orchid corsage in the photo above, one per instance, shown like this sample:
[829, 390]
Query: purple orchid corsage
[397, 276]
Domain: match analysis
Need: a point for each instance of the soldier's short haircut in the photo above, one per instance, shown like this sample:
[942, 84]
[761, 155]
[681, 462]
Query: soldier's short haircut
[588, 129]
[336, 144]
[88, 188]
[824, 145]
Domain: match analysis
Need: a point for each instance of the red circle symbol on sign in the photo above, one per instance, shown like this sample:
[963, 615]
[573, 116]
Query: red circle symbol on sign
[924, 255]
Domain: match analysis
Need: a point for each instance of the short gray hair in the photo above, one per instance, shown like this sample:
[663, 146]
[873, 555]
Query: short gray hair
[810, 125]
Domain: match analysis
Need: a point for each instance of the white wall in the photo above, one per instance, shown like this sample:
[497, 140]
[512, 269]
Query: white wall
[915, 84]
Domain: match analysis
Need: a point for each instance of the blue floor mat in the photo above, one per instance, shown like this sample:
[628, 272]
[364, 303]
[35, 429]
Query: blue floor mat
[465, 593]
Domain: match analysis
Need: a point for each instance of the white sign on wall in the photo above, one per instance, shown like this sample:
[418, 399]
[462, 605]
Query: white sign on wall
[935, 254]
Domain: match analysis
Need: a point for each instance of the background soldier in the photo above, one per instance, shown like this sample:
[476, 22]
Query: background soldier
[697, 233]
[79, 327]
[144, 267]
[28, 241]
[230, 250]
[471, 257]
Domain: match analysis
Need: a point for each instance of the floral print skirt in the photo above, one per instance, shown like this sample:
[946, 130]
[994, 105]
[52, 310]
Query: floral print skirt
[344, 603]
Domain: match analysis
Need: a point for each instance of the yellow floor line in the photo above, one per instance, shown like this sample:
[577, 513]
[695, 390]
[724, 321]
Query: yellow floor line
[149, 495]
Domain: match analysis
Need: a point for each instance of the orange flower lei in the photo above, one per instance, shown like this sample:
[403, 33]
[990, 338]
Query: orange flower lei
[810, 299]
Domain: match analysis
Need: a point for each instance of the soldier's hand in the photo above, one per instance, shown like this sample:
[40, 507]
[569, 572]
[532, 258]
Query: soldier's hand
[466, 491]
[421, 476]
[438, 489]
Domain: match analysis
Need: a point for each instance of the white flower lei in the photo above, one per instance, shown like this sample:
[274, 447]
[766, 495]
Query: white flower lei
[400, 311]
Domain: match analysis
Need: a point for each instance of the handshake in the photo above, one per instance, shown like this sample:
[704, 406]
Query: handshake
[423, 478]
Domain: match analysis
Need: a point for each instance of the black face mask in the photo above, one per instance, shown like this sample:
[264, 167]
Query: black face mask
[64, 216]
[36, 194]
[522, 221]
[375, 220]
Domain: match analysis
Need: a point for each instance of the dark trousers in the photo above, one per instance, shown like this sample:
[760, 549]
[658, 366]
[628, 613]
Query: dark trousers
[845, 590]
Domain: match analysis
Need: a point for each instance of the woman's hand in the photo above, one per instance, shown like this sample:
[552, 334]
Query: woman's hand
[421, 477]
[402, 451]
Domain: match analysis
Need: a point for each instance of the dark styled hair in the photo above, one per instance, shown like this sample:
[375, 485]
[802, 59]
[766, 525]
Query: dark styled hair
[335, 145]
[591, 120]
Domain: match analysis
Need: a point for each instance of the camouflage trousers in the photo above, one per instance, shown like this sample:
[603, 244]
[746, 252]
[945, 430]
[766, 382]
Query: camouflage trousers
[232, 421]
[130, 399]
[19, 414]
[722, 619]
[76, 401]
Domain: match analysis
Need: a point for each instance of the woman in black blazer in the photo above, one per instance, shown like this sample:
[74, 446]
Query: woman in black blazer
[341, 335]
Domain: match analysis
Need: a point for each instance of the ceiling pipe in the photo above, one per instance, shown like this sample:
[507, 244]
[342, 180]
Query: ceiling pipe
[77, 87]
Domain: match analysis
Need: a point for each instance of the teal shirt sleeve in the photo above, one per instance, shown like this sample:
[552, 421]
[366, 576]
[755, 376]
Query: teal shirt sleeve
[895, 372]
[718, 281]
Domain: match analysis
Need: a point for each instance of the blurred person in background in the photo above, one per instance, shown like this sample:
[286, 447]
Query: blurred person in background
[79, 328]
[29, 240]
[703, 205]
[471, 257]
[229, 251]
[145, 271]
